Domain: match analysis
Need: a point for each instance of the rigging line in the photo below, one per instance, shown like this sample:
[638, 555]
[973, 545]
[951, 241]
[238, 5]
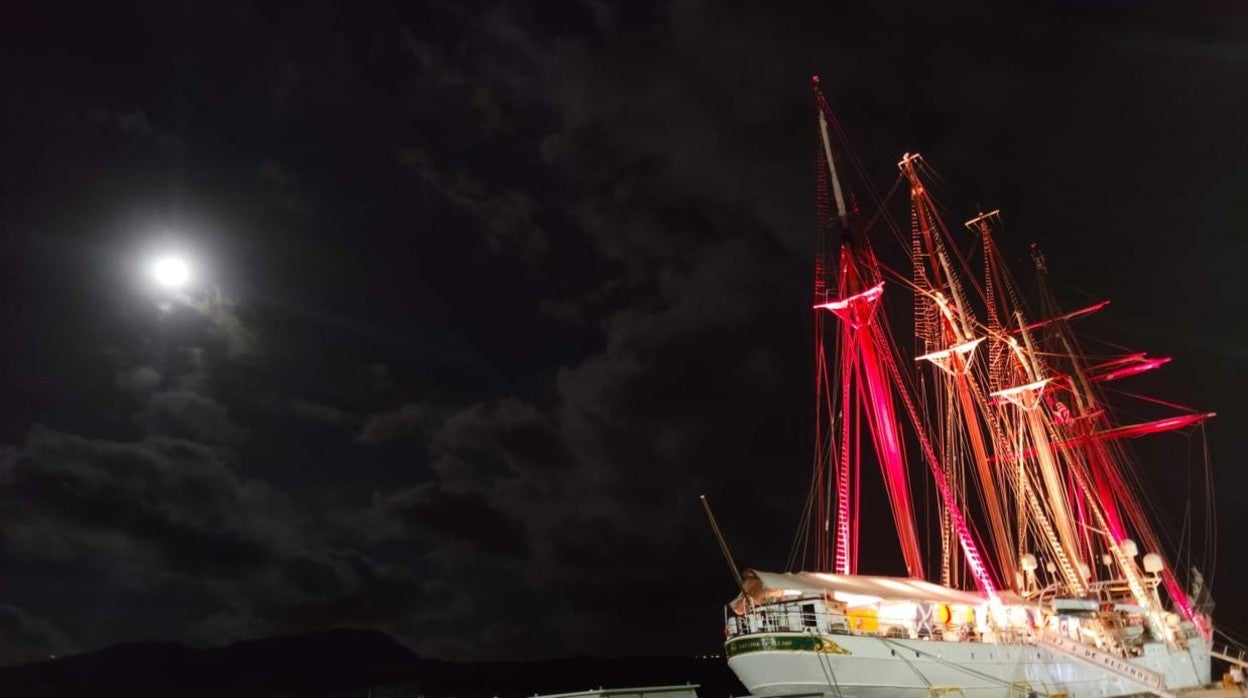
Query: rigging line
[801, 537]
[862, 173]
[883, 210]
[1119, 347]
[987, 677]
[1149, 536]
[902, 655]
[1185, 533]
[1240, 642]
[1155, 401]
[1085, 355]
[951, 246]
[927, 495]
[1211, 496]
[1161, 535]
[904, 280]
[970, 549]
[815, 501]
[1071, 287]
[936, 177]
[828, 673]
[831, 450]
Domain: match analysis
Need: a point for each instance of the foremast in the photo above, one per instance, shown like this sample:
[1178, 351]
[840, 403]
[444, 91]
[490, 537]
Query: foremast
[870, 385]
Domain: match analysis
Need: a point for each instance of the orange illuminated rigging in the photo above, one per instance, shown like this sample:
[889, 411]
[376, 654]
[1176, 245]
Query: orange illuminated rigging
[1003, 405]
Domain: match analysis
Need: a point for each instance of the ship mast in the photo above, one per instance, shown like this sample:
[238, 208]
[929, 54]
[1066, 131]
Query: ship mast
[864, 377]
[871, 385]
[1020, 439]
[1097, 461]
[950, 339]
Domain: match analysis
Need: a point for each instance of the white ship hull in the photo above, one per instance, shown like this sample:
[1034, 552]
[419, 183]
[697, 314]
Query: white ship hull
[867, 666]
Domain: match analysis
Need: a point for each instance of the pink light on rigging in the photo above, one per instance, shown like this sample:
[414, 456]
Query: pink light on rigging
[1118, 361]
[863, 366]
[1154, 427]
[1068, 316]
[863, 373]
[858, 309]
[1142, 365]
[1124, 432]
[882, 418]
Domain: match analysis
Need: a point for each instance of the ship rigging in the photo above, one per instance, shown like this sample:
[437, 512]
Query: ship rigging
[1040, 512]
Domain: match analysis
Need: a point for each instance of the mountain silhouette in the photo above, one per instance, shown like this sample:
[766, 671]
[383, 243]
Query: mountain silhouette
[339, 664]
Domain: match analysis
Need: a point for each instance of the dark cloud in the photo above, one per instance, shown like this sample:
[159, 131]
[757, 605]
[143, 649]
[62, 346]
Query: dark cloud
[326, 414]
[139, 380]
[311, 411]
[188, 415]
[452, 518]
[507, 437]
[408, 420]
[8, 464]
[313, 577]
[25, 638]
[509, 217]
[377, 596]
[143, 512]
[131, 122]
[170, 517]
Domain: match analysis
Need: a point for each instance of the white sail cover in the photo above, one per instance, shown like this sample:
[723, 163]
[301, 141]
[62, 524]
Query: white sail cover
[764, 587]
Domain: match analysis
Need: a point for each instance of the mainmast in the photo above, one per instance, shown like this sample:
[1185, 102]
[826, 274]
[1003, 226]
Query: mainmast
[950, 338]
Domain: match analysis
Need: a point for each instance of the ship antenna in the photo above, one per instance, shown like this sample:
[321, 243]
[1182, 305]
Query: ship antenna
[723, 547]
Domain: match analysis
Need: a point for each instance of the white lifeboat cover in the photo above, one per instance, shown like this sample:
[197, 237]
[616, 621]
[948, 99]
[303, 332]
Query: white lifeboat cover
[769, 587]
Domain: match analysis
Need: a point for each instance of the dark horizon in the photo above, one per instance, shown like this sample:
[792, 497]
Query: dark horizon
[341, 663]
[486, 296]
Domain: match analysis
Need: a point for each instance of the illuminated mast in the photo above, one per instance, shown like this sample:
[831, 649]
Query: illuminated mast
[1027, 464]
[868, 377]
[863, 377]
[950, 341]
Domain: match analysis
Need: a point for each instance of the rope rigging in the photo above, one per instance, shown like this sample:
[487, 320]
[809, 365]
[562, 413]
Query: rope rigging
[1025, 451]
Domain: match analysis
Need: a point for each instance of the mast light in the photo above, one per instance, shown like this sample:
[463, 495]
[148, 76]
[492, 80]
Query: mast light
[1129, 548]
[1153, 563]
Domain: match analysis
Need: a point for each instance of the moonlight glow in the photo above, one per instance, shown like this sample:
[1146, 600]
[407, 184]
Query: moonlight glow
[171, 272]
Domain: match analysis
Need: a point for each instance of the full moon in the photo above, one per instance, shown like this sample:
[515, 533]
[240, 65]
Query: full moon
[171, 272]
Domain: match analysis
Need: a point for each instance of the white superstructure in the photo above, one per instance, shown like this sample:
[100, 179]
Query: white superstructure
[859, 635]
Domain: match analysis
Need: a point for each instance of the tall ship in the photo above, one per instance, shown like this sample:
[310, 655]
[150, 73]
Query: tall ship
[1043, 567]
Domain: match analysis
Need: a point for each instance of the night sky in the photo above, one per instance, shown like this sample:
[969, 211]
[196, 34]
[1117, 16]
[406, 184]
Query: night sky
[487, 293]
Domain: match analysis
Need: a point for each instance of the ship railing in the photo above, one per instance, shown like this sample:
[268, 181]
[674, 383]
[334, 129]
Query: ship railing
[794, 618]
[1232, 650]
[1108, 590]
[1235, 656]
